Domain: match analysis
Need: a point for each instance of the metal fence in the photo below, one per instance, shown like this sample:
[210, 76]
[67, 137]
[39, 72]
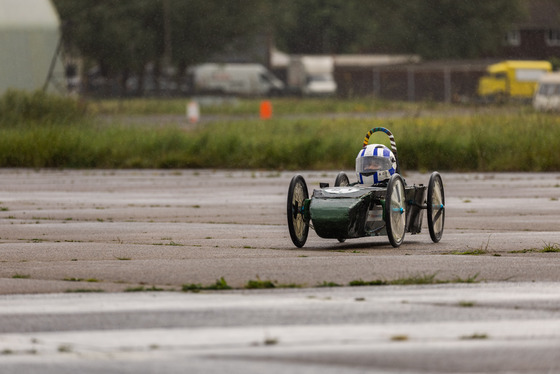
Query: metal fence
[447, 82]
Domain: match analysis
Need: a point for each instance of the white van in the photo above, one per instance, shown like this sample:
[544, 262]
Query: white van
[547, 95]
[235, 79]
[312, 75]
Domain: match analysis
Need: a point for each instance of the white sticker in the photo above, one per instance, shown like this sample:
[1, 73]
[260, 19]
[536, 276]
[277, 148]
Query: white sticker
[383, 174]
[342, 190]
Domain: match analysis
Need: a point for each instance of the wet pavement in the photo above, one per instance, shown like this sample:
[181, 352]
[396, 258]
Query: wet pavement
[66, 232]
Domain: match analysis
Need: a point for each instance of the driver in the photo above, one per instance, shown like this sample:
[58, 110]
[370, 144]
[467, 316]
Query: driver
[375, 164]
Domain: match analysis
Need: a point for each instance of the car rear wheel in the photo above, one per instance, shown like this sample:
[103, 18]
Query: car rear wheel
[297, 225]
[341, 180]
[436, 207]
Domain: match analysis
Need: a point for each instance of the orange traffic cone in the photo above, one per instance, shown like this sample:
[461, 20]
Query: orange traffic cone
[266, 109]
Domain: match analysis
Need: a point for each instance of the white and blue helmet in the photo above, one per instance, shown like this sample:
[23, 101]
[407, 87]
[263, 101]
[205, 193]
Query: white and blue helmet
[374, 164]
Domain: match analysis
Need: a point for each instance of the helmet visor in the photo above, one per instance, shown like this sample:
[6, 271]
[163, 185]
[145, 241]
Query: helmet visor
[371, 164]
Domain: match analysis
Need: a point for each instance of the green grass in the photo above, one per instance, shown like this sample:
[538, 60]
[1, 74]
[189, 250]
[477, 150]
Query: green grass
[220, 284]
[21, 276]
[485, 144]
[419, 279]
[475, 336]
[516, 139]
[143, 289]
[547, 248]
[526, 250]
[30, 109]
[328, 284]
[361, 282]
[262, 284]
[550, 248]
[259, 284]
[399, 338]
[474, 252]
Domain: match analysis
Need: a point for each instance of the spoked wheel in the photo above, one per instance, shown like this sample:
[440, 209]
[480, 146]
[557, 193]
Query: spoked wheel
[297, 194]
[436, 207]
[395, 210]
[341, 180]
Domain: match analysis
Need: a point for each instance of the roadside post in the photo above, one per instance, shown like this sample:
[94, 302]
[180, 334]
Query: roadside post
[193, 112]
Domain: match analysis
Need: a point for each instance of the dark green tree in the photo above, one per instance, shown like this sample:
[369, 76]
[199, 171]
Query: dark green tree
[431, 28]
[321, 26]
[201, 28]
[457, 28]
[122, 37]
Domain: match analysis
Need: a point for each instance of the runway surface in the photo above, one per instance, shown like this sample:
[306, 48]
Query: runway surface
[67, 232]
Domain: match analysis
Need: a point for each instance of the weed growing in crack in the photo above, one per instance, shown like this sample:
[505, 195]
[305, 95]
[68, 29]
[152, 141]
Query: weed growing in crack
[262, 284]
[220, 284]
[399, 338]
[329, 284]
[547, 248]
[64, 348]
[21, 276]
[474, 252]
[73, 279]
[550, 247]
[360, 282]
[420, 279]
[144, 289]
[259, 284]
[474, 336]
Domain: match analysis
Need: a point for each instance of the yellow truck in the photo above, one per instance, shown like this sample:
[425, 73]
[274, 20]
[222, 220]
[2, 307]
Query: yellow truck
[511, 79]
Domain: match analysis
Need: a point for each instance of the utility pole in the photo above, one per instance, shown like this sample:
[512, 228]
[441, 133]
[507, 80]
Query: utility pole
[167, 52]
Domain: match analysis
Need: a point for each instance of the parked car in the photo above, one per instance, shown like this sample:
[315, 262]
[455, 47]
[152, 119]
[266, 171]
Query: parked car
[311, 75]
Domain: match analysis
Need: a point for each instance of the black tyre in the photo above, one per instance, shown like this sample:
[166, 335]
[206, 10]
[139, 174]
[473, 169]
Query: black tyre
[297, 194]
[341, 180]
[395, 210]
[436, 207]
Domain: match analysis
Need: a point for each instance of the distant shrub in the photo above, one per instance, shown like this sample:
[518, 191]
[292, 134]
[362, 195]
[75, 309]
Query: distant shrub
[21, 108]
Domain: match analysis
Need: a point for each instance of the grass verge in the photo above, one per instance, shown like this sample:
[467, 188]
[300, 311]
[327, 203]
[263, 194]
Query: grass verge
[485, 140]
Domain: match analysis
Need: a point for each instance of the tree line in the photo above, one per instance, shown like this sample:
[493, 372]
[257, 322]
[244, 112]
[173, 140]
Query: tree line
[122, 37]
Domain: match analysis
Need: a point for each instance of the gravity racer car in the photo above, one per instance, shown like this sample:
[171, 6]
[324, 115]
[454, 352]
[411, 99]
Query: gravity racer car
[379, 203]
